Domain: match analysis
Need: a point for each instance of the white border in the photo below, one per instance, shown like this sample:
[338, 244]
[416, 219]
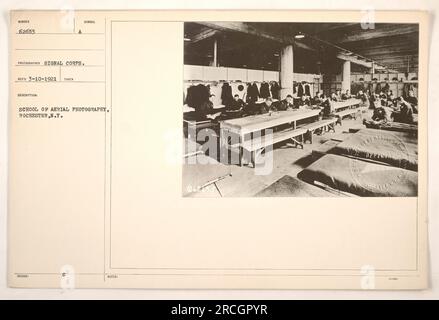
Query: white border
[433, 98]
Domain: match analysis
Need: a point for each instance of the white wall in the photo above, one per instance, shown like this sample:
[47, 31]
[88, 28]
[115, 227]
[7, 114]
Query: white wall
[206, 73]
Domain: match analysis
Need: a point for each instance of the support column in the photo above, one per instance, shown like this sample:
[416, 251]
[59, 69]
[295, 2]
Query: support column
[286, 71]
[346, 84]
[215, 53]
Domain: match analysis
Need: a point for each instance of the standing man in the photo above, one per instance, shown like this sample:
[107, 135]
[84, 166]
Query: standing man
[328, 109]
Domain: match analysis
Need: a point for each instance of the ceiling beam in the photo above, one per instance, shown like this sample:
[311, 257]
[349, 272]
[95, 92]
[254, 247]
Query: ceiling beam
[354, 59]
[386, 52]
[363, 62]
[232, 26]
[332, 27]
[244, 28]
[204, 34]
[378, 32]
[405, 40]
[347, 55]
[303, 46]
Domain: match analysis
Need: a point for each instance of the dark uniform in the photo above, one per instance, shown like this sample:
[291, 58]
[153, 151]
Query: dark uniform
[300, 103]
[264, 108]
[316, 101]
[379, 114]
[236, 105]
[327, 108]
[283, 105]
[405, 114]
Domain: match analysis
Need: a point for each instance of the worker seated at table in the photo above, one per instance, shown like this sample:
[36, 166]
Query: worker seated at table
[285, 104]
[387, 98]
[391, 99]
[380, 116]
[338, 95]
[360, 94]
[334, 97]
[250, 108]
[346, 95]
[236, 104]
[206, 111]
[302, 103]
[266, 106]
[413, 101]
[327, 107]
[364, 97]
[317, 100]
[323, 97]
[234, 109]
[374, 101]
[405, 112]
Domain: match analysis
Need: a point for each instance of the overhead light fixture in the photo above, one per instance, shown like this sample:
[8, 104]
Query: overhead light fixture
[187, 39]
[299, 36]
[276, 54]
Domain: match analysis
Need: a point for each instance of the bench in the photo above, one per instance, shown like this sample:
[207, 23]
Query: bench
[257, 146]
[326, 124]
[348, 112]
[397, 126]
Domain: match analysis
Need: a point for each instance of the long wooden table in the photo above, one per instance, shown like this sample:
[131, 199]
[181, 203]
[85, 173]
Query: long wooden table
[346, 104]
[260, 122]
[346, 107]
[236, 129]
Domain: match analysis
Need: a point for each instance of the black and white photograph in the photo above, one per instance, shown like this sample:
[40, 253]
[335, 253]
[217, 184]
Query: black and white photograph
[283, 109]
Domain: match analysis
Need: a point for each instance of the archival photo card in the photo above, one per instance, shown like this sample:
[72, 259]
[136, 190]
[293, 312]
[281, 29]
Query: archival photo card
[218, 149]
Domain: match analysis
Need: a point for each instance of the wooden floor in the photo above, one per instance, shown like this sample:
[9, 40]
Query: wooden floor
[287, 160]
